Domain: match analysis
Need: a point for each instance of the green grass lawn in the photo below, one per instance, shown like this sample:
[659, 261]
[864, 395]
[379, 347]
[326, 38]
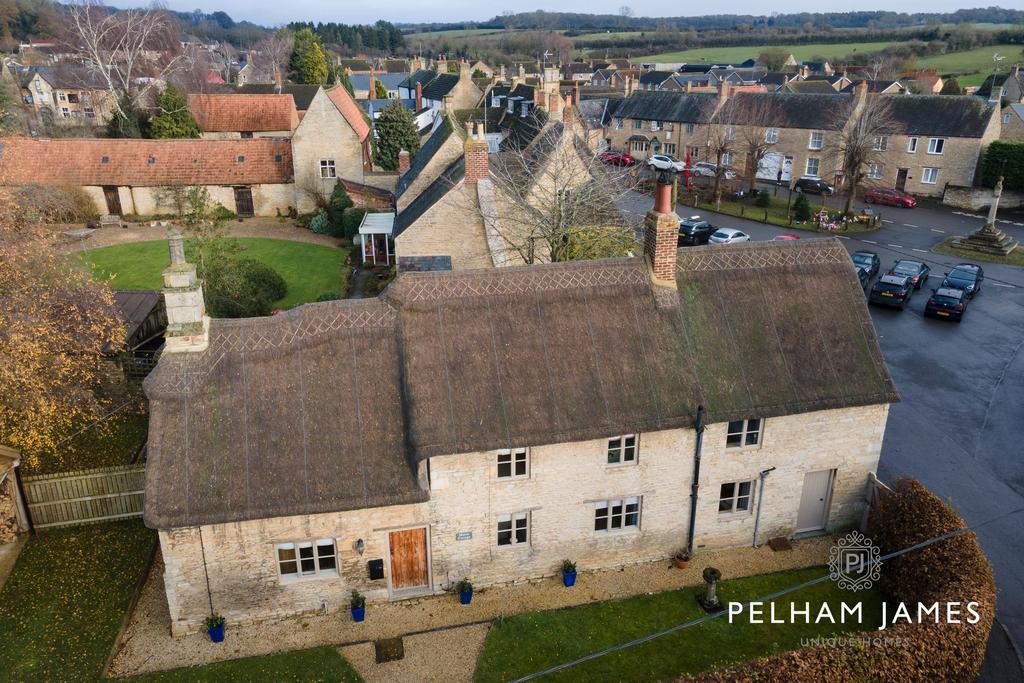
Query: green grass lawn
[523, 644]
[63, 604]
[947, 248]
[112, 442]
[776, 213]
[316, 664]
[971, 67]
[308, 269]
[741, 53]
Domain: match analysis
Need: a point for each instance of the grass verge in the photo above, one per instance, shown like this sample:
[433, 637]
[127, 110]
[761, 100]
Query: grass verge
[308, 269]
[946, 248]
[775, 214]
[111, 442]
[316, 664]
[63, 604]
[531, 642]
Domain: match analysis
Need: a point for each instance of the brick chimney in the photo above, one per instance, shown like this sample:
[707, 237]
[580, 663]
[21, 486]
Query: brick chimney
[403, 161]
[577, 97]
[723, 92]
[567, 111]
[419, 97]
[373, 86]
[477, 165]
[542, 99]
[188, 326]
[661, 234]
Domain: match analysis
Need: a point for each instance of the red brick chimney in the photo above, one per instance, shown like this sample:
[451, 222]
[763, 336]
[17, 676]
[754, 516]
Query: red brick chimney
[373, 86]
[403, 161]
[542, 99]
[477, 165]
[419, 97]
[661, 234]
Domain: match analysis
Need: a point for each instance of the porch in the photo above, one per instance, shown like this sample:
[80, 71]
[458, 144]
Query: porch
[376, 238]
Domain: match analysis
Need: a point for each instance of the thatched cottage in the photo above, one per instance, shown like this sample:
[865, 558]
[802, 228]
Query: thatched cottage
[490, 423]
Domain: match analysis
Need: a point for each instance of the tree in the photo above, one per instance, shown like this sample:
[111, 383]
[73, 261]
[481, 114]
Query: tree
[379, 91]
[755, 115]
[774, 58]
[345, 82]
[801, 208]
[308, 63]
[722, 143]
[278, 48]
[951, 87]
[55, 323]
[127, 121]
[174, 120]
[862, 139]
[479, 73]
[396, 130]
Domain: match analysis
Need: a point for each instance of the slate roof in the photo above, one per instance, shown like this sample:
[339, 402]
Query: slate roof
[1012, 84]
[145, 163]
[64, 77]
[302, 94]
[440, 86]
[257, 113]
[668, 106]
[963, 116]
[808, 86]
[362, 81]
[810, 111]
[597, 113]
[423, 76]
[135, 307]
[423, 156]
[352, 112]
[873, 85]
[274, 418]
[654, 77]
[451, 177]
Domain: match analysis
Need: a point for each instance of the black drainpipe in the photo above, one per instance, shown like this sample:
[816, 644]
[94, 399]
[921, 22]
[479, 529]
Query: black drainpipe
[699, 428]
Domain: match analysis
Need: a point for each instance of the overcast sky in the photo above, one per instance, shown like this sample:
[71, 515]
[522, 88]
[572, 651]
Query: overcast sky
[352, 12]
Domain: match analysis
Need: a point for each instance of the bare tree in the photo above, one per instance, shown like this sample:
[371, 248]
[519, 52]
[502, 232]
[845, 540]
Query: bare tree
[862, 139]
[129, 51]
[722, 144]
[756, 116]
[277, 49]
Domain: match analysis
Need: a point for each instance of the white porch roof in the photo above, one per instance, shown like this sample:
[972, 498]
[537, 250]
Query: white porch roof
[377, 224]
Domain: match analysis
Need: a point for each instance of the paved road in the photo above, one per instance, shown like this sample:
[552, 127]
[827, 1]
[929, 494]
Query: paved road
[959, 428]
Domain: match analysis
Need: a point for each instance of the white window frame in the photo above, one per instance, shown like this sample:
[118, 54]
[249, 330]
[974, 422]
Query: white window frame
[65, 112]
[737, 495]
[328, 169]
[623, 450]
[516, 522]
[689, 129]
[298, 560]
[638, 124]
[817, 166]
[880, 143]
[618, 521]
[727, 158]
[513, 457]
[934, 174]
[750, 434]
[771, 136]
[816, 140]
[655, 125]
[875, 171]
[912, 146]
[1006, 117]
[936, 146]
[730, 133]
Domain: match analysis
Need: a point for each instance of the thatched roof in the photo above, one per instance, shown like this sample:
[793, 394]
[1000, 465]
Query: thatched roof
[329, 407]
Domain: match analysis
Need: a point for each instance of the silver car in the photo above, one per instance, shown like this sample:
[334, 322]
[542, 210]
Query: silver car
[728, 236]
[663, 162]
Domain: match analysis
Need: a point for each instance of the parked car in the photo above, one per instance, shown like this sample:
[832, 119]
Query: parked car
[947, 302]
[917, 272]
[663, 162]
[813, 184]
[891, 290]
[965, 276]
[864, 275]
[618, 158]
[785, 237]
[729, 236]
[694, 231]
[867, 259]
[708, 170]
[890, 198]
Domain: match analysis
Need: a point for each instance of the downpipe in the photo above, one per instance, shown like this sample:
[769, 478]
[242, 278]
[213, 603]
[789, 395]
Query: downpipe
[699, 429]
[760, 498]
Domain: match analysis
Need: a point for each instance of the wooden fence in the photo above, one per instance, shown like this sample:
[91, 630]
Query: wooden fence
[98, 495]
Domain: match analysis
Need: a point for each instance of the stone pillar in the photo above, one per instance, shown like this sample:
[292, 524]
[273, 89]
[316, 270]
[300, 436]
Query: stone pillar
[188, 326]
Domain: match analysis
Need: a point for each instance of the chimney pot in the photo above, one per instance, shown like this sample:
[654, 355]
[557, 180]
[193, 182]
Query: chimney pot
[661, 233]
[403, 161]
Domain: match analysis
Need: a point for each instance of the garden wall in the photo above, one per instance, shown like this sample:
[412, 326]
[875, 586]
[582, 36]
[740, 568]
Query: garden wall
[980, 198]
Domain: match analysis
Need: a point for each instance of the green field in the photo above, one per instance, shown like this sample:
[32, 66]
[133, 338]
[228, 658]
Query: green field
[739, 54]
[976, 64]
[308, 269]
[454, 33]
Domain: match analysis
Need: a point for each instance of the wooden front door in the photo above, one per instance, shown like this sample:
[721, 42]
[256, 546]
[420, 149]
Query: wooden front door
[113, 200]
[901, 180]
[814, 500]
[408, 559]
[243, 201]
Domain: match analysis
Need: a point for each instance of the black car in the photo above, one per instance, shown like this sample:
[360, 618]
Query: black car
[694, 231]
[867, 259]
[891, 290]
[814, 185]
[917, 272]
[864, 275]
[947, 302]
[965, 276]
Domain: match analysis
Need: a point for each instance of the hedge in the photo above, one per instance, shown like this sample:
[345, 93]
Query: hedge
[1004, 159]
[949, 571]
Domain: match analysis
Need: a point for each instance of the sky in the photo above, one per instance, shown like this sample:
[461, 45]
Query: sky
[349, 12]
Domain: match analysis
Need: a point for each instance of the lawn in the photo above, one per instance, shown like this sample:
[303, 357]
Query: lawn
[315, 664]
[112, 442]
[947, 248]
[63, 604]
[523, 644]
[309, 269]
[776, 213]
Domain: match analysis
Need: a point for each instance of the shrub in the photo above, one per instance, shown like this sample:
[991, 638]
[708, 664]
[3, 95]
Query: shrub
[304, 219]
[802, 208]
[66, 204]
[1004, 158]
[338, 202]
[329, 296]
[222, 213]
[321, 223]
[763, 200]
[350, 221]
[241, 287]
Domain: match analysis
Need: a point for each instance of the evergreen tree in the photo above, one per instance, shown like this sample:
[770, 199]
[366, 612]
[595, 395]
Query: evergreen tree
[396, 130]
[308, 62]
[379, 91]
[129, 122]
[174, 119]
[345, 81]
[801, 208]
[951, 87]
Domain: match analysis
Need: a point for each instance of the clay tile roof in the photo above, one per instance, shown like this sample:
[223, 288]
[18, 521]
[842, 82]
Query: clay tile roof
[469, 361]
[233, 113]
[350, 110]
[145, 163]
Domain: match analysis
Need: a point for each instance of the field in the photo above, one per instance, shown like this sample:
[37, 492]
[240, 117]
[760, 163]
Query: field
[976, 63]
[453, 33]
[739, 54]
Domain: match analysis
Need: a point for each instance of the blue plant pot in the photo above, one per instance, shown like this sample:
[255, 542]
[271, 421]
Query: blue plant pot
[358, 613]
[216, 633]
[466, 596]
[569, 579]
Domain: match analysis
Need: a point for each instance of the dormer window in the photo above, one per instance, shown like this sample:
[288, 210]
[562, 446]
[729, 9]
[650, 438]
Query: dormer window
[526, 108]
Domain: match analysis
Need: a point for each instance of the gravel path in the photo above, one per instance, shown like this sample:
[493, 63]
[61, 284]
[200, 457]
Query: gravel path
[447, 656]
[148, 645]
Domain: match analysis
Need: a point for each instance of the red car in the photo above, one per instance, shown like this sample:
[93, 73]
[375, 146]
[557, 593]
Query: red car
[785, 237]
[617, 158]
[890, 197]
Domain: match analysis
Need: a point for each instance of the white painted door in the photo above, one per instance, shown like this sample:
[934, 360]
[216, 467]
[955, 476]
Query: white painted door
[814, 501]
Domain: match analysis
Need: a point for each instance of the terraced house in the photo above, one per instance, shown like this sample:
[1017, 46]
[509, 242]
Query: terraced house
[515, 417]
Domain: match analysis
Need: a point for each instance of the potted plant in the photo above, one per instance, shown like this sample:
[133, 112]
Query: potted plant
[215, 627]
[568, 573]
[465, 589]
[681, 559]
[358, 603]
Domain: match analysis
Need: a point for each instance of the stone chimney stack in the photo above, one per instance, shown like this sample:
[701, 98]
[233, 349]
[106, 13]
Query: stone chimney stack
[464, 72]
[277, 80]
[373, 86]
[248, 57]
[567, 111]
[522, 72]
[661, 234]
[689, 86]
[996, 96]
[1014, 70]
[403, 161]
[188, 326]
[419, 97]
[446, 104]
[723, 92]
[477, 164]
[442, 65]
[542, 99]
[501, 71]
